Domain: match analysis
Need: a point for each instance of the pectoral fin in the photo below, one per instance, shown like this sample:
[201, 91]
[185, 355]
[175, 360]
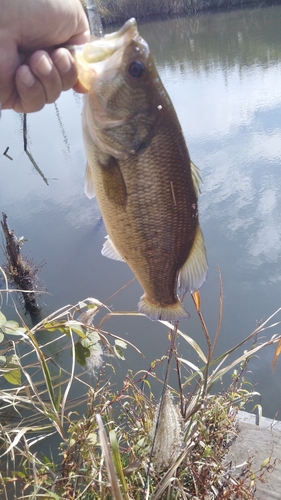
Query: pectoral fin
[193, 273]
[89, 183]
[113, 182]
[107, 168]
[109, 250]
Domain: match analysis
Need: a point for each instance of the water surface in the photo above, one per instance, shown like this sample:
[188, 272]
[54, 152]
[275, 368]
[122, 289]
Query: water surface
[222, 71]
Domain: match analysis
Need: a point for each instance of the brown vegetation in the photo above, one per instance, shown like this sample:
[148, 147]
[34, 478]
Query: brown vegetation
[121, 10]
[125, 445]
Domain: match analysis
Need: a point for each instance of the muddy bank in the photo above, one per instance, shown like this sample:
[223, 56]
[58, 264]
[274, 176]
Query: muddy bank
[114, 11]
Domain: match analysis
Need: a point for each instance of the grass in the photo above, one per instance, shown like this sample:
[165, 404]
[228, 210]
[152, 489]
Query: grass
[119, 444]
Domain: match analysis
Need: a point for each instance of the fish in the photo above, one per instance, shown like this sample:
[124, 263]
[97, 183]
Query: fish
[139, 169]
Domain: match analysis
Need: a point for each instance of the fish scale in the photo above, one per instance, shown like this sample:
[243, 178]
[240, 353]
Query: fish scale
[140, 170]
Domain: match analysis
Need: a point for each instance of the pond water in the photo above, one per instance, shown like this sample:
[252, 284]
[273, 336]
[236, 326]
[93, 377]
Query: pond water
[222, 71]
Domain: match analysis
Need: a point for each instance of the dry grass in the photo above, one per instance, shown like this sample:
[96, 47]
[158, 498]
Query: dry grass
[110, 443]
[121, 10]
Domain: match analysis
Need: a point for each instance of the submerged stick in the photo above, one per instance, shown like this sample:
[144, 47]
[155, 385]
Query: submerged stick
[25, 148]
[37, 167]
[6, 153]
[19, 270]
[24, 132]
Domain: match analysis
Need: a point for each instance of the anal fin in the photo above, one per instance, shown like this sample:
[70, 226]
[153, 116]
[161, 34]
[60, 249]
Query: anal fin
[109, 250]
[193, 273]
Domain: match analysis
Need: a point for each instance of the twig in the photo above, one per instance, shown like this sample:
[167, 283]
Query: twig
[20, 272]
[6, 153]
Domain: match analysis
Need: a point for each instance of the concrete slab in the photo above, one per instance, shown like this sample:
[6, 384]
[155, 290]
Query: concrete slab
[257, 443]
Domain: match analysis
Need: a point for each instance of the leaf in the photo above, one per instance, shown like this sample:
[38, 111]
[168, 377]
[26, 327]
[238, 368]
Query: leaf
[108, 461]
[19, 474]
[191, 342]
[81, 353]
[12, 361]
[53, 326]
[218, 374]
[118, 351]
[14, 377]
[92, 303]
[96, 303]
[10, 327]
[265, 462]
[121, 343]
[77, 327]
[59, 392]
[276, 354]
[197, 300]
[92, 339]
[45, 369]
[117, 460]
[19, 433]
[140, 442]
[92, 438]
[13, 329]
[195, 368]
[2, 319]
[82, 304]
[1, 337]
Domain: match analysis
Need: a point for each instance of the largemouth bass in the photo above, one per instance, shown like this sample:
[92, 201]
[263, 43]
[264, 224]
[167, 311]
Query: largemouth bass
[140, 171]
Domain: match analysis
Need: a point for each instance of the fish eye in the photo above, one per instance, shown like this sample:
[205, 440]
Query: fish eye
[136, 69]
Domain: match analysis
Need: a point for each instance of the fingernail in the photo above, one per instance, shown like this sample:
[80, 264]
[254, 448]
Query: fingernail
[26, 77]
[62, 63]
[44, 66]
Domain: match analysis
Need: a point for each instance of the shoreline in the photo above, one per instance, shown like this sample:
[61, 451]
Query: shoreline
[118, 11]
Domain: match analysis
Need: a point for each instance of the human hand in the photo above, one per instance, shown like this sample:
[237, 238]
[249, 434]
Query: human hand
[33, 71]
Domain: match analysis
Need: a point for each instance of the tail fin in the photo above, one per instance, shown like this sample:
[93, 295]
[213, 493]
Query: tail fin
[166, 313]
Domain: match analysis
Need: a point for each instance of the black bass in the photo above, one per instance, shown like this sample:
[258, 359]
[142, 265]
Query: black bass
[140, 171]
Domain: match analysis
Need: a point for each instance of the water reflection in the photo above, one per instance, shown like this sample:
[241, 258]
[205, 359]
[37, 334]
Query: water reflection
[222, 71]
[230, 113]
[240, 38]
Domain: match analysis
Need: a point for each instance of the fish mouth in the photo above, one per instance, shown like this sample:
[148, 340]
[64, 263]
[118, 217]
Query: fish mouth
[102, 48]
[92, 58]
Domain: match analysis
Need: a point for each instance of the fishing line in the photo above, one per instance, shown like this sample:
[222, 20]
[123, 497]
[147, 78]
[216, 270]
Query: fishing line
[167, 374]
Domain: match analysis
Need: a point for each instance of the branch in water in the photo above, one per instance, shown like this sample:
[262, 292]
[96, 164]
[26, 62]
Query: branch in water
[19, 270]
